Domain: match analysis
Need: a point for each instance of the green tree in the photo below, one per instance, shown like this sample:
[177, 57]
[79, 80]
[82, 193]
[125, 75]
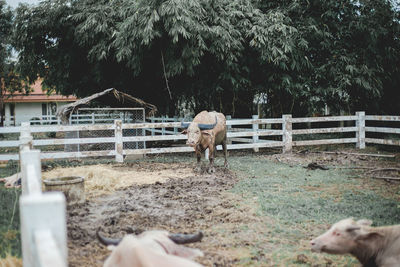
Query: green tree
[166, 52]
[10, 81]
[352, 54]
[218, 55]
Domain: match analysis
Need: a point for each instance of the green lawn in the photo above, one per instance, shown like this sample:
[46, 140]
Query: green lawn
[10, 242]
[297, 204]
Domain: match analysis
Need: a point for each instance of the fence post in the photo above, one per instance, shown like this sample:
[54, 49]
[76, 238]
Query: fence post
[42, 212]
[360, 134]
[207, 154]
[287, 133]
[163, 129]
[30, 157]
[255, 129]
[152, 129]
[25, 139]
[228, 129]
[119, 157]
[175, 128]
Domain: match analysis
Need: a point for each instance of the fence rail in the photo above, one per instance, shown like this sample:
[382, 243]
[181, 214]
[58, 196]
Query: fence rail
[92, 118]
[286, 134]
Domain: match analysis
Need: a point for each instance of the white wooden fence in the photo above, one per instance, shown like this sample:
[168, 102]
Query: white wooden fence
[86, 118]
[42, 215]
[257, 135]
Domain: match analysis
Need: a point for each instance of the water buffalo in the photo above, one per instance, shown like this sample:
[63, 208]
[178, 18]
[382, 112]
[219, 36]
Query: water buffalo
[151, 249]
[372, 246]
[207, 130]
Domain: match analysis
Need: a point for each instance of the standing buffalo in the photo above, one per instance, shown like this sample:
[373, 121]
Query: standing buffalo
[207, 130]
[152, 249]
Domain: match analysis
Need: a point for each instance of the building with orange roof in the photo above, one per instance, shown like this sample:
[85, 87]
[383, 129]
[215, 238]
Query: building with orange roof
[37, 105]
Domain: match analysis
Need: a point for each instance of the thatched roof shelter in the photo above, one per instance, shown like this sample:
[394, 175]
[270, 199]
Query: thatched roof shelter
[111, 97]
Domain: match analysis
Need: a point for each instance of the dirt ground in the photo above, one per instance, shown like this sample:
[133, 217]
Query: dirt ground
[172, 197]
[185, 203]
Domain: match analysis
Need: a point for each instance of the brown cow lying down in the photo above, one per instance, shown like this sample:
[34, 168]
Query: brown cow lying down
[152, 248]
[372, 246]
[12, 181]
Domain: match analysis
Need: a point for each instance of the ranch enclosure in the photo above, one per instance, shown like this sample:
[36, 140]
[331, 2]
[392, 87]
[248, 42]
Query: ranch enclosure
[260, 212]
[123, 139]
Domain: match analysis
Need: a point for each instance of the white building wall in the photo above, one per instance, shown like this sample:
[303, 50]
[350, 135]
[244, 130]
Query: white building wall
[26, 111]
[7, 114]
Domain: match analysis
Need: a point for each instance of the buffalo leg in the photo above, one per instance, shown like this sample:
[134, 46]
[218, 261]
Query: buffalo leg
[211, 154]
[198, 167]
[225, 153]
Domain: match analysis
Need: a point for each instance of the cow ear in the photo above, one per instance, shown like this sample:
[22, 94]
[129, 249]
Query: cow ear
[205, 133]
[365, 235]
[364, 222]
[184, 132]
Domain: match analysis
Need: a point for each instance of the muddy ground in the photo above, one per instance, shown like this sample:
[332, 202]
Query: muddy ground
[187, 204]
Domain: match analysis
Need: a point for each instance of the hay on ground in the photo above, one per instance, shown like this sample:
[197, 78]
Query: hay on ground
[10, 261]
[105, 179]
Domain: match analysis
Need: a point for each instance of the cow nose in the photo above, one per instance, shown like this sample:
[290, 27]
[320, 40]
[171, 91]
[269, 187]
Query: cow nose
[312, 243]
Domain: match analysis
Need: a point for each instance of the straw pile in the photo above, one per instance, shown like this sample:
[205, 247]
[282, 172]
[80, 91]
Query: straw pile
[10, 261]
[104, 179]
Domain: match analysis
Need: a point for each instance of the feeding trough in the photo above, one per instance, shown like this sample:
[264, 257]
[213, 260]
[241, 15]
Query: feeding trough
[73, 188]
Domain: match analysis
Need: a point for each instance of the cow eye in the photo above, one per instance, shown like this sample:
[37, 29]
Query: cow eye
[335, 233]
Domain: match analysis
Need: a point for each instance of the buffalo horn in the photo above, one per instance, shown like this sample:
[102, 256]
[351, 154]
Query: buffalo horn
[186, 238]
[107, 241]
[185, 125]
[208, 126]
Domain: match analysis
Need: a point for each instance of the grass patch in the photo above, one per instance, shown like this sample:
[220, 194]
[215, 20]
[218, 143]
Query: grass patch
[299, 204]
[10, 239]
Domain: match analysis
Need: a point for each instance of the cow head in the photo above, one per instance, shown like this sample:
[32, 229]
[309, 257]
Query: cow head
[159, 248]
[343, 237]
[176, 238]
[195, 130]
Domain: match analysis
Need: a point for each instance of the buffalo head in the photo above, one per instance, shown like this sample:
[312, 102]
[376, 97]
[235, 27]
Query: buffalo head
[176, 238]
[194, 129]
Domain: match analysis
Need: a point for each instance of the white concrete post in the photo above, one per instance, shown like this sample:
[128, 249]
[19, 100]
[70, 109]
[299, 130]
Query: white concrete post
[228, 129]
[42, 212]
[360, 134]
[93, 120]
[25, 139]
[152, 129]
[119, 157]
[48, 252]
[287, 133]
[255, 129]
[30, 157]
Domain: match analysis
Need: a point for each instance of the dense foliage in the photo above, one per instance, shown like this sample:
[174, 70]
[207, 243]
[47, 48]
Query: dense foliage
[206, 54]
[8, 75]
[9, 79]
